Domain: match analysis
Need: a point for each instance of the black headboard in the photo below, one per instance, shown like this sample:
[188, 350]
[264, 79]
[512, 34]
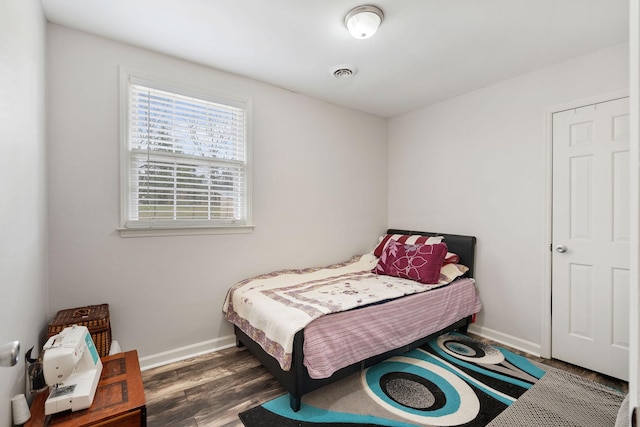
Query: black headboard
[463, 246]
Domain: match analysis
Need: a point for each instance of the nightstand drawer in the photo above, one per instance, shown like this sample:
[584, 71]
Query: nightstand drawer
[131, 419]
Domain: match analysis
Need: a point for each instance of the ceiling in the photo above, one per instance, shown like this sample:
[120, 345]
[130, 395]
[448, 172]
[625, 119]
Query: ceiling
[424, 52]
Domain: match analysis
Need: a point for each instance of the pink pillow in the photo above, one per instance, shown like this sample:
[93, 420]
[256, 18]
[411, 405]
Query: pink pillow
[421, 262]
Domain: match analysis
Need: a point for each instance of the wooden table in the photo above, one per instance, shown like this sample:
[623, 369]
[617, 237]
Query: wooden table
[119, 399]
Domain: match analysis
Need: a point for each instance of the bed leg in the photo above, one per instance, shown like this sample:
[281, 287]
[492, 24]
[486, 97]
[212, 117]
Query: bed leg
[464, 328]
[295, 402]
[239, 343]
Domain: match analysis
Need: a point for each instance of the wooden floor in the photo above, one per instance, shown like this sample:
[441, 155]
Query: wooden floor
[211, 390]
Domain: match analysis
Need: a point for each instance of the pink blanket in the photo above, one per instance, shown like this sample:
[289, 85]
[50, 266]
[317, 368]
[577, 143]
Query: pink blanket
[337, 340]
[271, 308]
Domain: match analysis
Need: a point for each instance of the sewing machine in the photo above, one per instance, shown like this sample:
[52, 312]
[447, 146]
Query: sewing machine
[72, 368]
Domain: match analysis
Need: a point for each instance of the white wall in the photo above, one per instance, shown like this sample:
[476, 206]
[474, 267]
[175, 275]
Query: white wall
[319, 175]
[476, 164]
[23, 291]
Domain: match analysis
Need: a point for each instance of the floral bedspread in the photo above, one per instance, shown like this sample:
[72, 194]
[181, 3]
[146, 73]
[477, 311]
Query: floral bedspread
[271, 308]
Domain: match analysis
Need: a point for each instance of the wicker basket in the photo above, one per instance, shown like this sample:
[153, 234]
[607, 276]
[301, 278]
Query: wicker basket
[94, 317]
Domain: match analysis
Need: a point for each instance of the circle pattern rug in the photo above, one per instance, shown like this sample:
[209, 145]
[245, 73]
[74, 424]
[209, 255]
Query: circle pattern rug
[453, 380]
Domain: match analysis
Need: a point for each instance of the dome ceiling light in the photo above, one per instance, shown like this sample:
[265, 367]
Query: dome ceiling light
[363, 21]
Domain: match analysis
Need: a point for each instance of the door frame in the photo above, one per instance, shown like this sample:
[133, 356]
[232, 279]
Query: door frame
[634, 149]
[545, 342]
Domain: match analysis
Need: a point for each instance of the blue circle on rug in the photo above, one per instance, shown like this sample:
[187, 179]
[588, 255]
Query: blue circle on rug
[464, 349]
[469, 349]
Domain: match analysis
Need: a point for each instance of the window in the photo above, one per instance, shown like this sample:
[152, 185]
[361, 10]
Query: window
[185, 158]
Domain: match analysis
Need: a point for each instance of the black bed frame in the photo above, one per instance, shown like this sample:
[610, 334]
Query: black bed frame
[296, 381]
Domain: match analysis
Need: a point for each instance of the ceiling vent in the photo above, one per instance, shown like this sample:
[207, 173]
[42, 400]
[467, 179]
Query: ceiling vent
[343, 71]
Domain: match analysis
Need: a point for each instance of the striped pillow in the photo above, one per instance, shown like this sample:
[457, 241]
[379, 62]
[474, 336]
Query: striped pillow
[407, 240]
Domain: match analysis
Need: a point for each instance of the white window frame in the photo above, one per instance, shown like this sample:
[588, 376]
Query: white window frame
[140, 228]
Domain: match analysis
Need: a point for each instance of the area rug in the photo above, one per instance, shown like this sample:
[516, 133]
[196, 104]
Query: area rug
[453, 380]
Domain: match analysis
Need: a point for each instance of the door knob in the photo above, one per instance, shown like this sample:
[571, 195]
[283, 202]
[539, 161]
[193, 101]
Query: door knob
[561, 249]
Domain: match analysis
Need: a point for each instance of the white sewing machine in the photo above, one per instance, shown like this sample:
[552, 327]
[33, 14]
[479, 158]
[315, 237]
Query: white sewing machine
[72, 368]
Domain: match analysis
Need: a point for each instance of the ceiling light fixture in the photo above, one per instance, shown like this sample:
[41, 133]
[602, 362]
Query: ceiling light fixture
[363, 21]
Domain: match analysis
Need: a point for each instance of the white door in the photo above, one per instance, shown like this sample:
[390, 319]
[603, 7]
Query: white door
[590, 261]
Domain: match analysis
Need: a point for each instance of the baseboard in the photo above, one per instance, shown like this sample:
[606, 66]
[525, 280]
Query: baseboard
[505, 339]
[181, 353]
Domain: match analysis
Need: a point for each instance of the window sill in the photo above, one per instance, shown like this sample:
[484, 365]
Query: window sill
[184, 231]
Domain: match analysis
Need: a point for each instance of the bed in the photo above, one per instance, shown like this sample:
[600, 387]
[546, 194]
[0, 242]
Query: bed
[315, 345]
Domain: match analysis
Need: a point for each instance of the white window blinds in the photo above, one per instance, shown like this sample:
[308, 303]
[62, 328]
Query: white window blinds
[187, 159]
